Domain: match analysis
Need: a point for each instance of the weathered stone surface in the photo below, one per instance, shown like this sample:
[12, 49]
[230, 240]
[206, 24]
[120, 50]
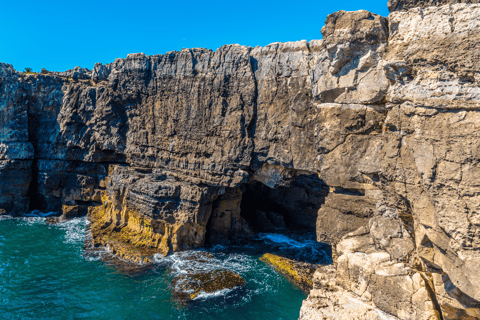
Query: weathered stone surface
[369, 136]
[349, 144]
[191, 286]
[15, 177]
[153, 210]
[453, 302]
[328, 301]
[349, 71]
[342, 214]
[300, 273]
[16, 152]
[71, 183]
[433, 57]
[225, 222]
[436, 157]
[285, 108]
[419, 170]
[398, 5]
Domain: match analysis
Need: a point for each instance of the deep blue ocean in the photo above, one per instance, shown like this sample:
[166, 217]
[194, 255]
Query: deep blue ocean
[45, 273]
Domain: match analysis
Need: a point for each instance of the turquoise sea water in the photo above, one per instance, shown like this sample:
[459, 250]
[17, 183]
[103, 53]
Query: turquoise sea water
[45, 273]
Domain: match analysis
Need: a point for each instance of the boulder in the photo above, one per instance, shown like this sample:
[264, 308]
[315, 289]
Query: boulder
[192, 286]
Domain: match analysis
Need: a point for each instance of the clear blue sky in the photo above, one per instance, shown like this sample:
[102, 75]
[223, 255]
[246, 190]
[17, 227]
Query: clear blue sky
[59, 35]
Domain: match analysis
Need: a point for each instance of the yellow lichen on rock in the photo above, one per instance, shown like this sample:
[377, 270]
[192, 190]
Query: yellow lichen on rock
[300, 273]
[125, 233]
[136, 237]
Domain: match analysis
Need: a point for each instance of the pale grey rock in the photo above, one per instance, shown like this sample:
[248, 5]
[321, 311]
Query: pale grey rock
[349, 71]
[437, 49]
[398, 5]
[328, 301]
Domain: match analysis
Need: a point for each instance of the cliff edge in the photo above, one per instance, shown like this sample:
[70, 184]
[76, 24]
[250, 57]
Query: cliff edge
[368, 136]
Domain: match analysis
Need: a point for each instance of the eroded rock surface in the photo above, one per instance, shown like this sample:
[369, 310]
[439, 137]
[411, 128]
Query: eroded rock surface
[328, 301]
[368, 136]
[300, 273]
[196, 282]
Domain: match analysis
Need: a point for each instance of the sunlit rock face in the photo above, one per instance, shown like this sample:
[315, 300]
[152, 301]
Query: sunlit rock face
[367, 137]
[404, 5]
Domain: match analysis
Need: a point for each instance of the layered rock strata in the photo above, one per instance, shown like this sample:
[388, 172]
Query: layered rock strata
[367, 136]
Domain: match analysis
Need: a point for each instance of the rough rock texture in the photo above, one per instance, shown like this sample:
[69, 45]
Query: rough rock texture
[192, 286]
[194, 283]
[16, 152]
[398, 5]
[368, 136]
[328, 301]
[300, 273]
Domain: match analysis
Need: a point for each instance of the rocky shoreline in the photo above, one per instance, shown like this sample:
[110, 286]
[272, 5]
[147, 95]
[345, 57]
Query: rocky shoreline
[367, 137]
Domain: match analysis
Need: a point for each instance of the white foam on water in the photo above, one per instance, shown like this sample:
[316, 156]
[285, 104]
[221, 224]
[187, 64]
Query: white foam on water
[259, 277]
[32, 218]
[158, 258]
[187, 262]
[204, 295]
[283, 239]
[74, 230]
[308, 249]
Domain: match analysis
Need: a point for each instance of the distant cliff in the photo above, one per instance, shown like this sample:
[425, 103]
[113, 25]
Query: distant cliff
[368, 136]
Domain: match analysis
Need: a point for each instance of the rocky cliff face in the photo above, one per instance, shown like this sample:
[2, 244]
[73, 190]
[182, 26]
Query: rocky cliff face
[368, 136]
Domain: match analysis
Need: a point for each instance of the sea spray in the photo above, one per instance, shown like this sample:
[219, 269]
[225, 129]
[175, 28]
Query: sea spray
[45, 274]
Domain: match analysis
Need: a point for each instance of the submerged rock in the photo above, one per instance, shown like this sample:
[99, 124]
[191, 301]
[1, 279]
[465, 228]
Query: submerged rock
[300, 273]
[199, 277]
[191, 286]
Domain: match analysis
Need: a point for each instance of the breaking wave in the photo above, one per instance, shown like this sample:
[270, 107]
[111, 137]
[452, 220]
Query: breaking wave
[74, 230]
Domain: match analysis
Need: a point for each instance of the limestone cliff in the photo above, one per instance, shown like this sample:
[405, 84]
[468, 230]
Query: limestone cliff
[368, 136]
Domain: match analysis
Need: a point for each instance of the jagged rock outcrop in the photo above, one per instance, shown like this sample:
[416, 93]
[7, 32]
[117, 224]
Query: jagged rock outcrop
[367, 136]
[399, 5]
[329, 301]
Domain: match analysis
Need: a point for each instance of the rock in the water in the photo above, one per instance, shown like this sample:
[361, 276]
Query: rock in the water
[368, 136]
[300, 273]
[192, 286]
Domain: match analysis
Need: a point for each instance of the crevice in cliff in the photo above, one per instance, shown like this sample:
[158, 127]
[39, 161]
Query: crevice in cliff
[431, 292]
[251, 127]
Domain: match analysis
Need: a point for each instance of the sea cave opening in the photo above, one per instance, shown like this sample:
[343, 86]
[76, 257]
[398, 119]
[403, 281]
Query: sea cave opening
[290, 207]
[280, 219]
[286, 217]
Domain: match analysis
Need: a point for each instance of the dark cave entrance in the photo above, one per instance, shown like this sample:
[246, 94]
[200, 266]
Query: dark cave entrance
[284, 218]
[259, 219]
[291, 207]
